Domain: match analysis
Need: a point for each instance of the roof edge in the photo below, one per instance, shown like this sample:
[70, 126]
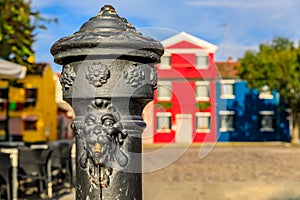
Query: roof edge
[183, 36]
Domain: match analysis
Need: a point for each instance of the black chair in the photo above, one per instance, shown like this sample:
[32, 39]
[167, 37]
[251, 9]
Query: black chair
[35, 167]
[5, 166]
[61, 163]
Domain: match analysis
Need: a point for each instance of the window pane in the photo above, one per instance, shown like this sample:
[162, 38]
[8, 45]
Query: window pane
[31, 93]
[202, 122]
[165, 62]
[2, 124]
[223, 122]
[163, 122]
[267, 122]
[164, 90]
[3, 93]
[202, 91]
[227, 89]
[30, 125]
[202, 62]
[227, 122]
[31, 96]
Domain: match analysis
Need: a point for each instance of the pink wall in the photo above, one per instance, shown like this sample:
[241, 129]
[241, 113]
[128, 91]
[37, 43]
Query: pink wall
[183, 75]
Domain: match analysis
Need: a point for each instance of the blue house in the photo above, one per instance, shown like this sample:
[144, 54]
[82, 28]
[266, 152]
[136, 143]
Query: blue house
[244, 114]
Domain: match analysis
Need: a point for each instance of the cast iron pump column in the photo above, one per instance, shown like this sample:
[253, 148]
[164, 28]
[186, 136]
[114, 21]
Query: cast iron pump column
[108, 77]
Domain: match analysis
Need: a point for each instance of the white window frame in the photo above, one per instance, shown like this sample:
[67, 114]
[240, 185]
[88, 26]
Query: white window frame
[204, 63]
[226, 113]
[265, 93]
[224, 94]
[266, 128]
[164, 114]
[202, 98]
[203, 114]
[165, 61]
[166, 85]
[198, 53]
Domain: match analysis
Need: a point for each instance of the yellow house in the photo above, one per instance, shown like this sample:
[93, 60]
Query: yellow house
[32, 106]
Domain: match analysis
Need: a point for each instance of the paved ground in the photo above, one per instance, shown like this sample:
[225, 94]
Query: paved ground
[231, 172]
[221, 173]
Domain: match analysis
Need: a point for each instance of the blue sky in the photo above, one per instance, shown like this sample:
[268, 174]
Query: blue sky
[233, 25]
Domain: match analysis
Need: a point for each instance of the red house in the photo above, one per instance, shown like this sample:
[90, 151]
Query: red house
[184, 103]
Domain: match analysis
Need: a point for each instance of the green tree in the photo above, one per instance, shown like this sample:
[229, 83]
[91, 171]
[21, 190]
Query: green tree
[276, 65]
[17, 25]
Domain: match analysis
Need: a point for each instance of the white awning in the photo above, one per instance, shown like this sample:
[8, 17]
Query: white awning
[10, 70]
[30, 117]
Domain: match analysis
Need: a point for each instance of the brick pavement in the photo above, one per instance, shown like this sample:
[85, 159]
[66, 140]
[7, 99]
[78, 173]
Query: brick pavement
[226, 173]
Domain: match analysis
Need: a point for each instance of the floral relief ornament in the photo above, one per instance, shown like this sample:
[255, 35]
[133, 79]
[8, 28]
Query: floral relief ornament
[153, 78]
[134, 76]
[97, 74]
[67, 77]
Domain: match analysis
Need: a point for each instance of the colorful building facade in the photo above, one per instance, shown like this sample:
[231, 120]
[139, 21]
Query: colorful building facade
[184, 102]
[245, 114]
[32, 110]
[200, 100]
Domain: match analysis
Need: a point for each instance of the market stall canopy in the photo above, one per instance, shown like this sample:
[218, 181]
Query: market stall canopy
[10, 70]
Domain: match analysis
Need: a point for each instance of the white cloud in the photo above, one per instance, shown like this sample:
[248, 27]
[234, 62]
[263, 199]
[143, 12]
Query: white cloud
[41, 4]
[266, 4]
[223, 4]
[250, 22]
[234, 50]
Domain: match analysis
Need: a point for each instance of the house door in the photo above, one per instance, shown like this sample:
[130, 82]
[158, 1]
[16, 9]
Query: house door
[184, 128]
